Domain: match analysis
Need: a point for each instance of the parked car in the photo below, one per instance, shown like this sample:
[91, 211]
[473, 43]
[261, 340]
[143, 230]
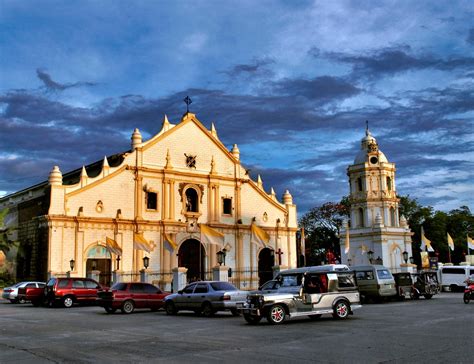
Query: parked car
[128, 296]
[32, 292]
[11, 293]
[319, 291]
[205, 298]
[425, 284]
[68, 291]
[453, 277]
[375, 282]
[404, 285]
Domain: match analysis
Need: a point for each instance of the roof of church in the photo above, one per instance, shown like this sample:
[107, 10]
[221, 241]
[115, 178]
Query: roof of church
[363, 155]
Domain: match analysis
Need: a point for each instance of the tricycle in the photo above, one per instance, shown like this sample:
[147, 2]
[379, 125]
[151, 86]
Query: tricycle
[404, 285]
[425, 284]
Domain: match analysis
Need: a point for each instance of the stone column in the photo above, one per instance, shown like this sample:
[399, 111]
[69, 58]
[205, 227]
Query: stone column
[220, 273]
[116, 276]
[179, 278]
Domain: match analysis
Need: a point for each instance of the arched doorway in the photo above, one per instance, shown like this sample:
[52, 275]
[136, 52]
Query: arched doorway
[99, 259]
[188, 256]
[266, 261]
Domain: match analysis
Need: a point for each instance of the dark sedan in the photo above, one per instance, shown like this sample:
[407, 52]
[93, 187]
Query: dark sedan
[127, 296]
[205, 298]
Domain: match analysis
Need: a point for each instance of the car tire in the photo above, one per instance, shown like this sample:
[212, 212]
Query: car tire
[315, 317]
[170, 308]
[128, 307]
[68, 301]
[252, 320]
[207, 310]
[341, 310]
[110, 309]
[428, 296]
[234, 312]
[276, 314]
[21, 300]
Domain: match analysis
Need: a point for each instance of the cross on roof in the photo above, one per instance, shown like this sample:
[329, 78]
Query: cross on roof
[187, 100]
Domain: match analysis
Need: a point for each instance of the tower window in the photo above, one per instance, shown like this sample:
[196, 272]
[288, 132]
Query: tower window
[392, 217]
[389, 183]
[374, 160]
[152, 201]
[227, 206]
[191, 200]
[359, 184]
[361, 217]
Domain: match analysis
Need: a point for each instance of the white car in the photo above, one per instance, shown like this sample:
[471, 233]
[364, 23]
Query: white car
[11, 293]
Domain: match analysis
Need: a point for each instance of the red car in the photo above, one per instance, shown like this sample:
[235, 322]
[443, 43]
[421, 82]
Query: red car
[68, 291]
[128, 296]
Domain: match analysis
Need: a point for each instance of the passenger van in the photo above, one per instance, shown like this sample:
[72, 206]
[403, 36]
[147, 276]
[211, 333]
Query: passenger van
[453, 276]
[374, 281]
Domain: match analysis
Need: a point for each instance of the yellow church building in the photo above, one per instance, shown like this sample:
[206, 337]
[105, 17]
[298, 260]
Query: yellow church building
[177, 200]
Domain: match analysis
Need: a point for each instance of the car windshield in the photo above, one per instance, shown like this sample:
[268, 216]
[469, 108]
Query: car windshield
[384, 274]
[223, 286]
[290, 280]
[17, 285]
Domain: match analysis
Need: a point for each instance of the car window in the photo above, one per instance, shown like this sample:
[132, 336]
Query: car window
[201, 288]
[18, 284]
[31, 285]
[189, 289]
[91, 284]
[346, 281]
[384, 274]
[223, 286]
[365, 275]
[290, 280]
[119, 287]
[51, 282]
[270, 285]
[41, 285]
[149, 288]
[78, 284]
[63, 283]
[136, 288]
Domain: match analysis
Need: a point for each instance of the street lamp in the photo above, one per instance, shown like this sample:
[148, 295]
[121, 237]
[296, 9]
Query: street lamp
[72, 263]
[412, 260]
[118, 262]
[146, 262]
[370, 255]
[405, 256]
[221, 257]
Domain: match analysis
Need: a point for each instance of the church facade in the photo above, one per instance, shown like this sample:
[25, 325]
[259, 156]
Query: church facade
[376, 233]
[152, 201]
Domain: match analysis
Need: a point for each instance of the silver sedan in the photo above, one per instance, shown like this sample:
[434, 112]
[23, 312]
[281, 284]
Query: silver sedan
[205, 298]
[11, 293]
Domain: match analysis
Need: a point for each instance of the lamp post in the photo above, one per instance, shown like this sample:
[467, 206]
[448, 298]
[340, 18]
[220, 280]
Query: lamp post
[370, 255]
[118, 262]
[405, 256]
[349, 261]
[146, 262]
[221, 257]
[72, 264]
[412, 260]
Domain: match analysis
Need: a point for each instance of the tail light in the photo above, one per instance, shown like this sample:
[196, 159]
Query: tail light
[225, 298]
[8, 290]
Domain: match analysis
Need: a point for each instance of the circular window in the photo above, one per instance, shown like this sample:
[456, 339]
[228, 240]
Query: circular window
[374, 160]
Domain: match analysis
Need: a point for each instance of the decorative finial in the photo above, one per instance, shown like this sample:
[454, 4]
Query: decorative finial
[213, 166]
[367, 127]
[187, 100]
[168, 165]
[214, 131]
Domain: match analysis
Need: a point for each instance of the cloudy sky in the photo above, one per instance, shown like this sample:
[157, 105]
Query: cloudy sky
[291, 82]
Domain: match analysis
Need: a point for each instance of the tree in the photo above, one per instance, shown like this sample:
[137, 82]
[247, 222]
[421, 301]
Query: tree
[322, 225]
[4, 242]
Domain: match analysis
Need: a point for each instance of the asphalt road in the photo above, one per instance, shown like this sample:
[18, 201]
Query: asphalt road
[439, 330]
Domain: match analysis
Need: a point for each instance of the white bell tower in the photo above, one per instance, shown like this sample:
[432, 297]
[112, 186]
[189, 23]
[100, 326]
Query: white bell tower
[375, 224]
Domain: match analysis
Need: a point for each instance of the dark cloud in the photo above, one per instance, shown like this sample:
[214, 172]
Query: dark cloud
[258, 66]
[55, 86]
[395, 60]
[470, 36]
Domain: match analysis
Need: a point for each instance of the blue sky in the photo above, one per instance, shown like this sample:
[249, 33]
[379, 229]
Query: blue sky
[291, 82]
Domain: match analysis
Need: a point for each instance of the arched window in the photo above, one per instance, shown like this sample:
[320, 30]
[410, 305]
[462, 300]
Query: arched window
[389, 183]
[361, 217]
[192, 200]
[393, 221]
[359, 184]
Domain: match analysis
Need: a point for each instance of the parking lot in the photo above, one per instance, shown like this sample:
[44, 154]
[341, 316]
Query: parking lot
[437, 331]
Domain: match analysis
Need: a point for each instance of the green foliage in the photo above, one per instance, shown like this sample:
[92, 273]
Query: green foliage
[322, 225]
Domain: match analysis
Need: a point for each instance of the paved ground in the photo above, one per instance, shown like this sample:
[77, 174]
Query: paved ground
[426, 331]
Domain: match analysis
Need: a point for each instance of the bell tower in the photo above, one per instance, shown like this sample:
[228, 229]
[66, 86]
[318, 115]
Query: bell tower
[375, 224]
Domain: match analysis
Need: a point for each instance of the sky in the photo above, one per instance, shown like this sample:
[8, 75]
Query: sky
[291, 82]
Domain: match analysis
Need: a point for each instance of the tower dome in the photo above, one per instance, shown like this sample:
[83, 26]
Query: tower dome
[369, 148]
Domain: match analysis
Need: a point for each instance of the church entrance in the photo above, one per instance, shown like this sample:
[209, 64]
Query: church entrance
[99, 259]
[266, 262]
[191, 255]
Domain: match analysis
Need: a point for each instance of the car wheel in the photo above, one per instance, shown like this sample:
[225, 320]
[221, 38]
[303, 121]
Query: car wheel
[207, 310]
[110, 309]
[467, 297]
[341, 310]
[315, 317]
[170, 308]
[252, 320]
[21, 300]
[68, 301]
[234, 312]
[128, 307]
[428, 296]
[276, 314]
